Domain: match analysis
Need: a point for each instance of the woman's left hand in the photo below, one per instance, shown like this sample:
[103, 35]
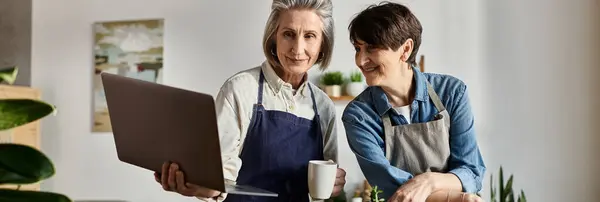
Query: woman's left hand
[416, 189]
[471, 198]
[340, 181]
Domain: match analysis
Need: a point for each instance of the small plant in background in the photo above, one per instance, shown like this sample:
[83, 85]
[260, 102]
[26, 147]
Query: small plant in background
[21, 164]
[333, 78]
[333, 83]
[356, 76]
[355, 86]
[375, 194]
[505, 193]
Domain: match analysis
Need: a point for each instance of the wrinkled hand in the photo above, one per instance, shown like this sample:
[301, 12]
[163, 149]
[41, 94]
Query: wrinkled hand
[471, 198]
[340, 181]
[416, 189]
[172, 179]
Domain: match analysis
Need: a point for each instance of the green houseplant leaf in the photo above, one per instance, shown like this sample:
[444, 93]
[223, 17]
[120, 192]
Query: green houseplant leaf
[508, 190]
[356, 76]
[492, 189]
[8, 195]
[522, 197]
[375, 194]
[9, 75]
[505, 193]
[501, 186]
[18, 112]
[21, 164]
[333, 78]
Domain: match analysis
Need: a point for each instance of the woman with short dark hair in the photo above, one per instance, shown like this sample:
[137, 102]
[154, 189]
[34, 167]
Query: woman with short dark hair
[411, 132]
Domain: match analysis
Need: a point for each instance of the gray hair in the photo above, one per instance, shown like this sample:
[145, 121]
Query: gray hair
[323, 8]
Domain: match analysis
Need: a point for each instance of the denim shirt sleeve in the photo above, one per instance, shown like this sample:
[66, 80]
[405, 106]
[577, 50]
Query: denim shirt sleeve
[465, 161]
[364, 141]
[364, 131]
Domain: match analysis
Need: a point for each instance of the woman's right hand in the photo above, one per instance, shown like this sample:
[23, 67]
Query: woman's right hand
[172, 179]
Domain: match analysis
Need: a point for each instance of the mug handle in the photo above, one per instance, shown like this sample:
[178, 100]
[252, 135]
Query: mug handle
[337, 164]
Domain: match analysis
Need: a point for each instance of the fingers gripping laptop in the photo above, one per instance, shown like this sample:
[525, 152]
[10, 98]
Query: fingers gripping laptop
[154, 123]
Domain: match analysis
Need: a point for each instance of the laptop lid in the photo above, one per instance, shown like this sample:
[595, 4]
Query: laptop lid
[154, 123]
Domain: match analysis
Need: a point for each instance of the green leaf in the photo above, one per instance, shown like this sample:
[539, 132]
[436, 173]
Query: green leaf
[356, 76]
[333, 78]
[9, 75]
[375, 194]
[22, 164]
[492, 189]
[508, 191]
[501, 179]
[18, 112]
[509, 183]
[9, 195]
[511, 197]
[522, 197]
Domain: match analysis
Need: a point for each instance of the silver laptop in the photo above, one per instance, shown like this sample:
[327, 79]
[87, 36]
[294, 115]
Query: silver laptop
[154, 123]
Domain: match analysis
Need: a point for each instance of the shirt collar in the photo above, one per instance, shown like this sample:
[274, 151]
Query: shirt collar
[276, 83]
[381, 102]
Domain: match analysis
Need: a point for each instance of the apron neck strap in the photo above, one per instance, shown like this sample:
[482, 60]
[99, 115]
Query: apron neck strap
[434, 98]
[312, 96]
[260, 87]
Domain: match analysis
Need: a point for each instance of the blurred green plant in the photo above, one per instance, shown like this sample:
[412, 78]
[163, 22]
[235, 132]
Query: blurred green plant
[356, 76]
[333, 78]
[375, 194]
[505, 193]
[22, 164]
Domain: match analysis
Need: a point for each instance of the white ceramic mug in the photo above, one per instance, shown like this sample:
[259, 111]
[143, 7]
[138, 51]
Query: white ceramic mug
[321, 178]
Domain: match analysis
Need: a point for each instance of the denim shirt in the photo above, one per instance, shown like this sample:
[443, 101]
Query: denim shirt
[365, 133]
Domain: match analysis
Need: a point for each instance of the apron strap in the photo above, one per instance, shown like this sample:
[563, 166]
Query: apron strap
[312, 96]
[260, 87]
[434, 97]
[388, 131]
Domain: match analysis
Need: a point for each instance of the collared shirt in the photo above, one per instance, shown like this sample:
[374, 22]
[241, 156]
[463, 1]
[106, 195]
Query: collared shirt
[234, 105]
[364, 130]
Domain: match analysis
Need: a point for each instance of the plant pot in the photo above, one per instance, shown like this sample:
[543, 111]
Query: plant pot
[333, 90]
[357, 199]
[355, 88]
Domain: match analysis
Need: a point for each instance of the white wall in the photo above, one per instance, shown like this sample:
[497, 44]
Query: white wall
[15, 38]
[205, 42]
[204, 45]
[541, 66]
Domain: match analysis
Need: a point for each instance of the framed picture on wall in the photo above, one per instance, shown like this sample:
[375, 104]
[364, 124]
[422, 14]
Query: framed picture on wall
[132, 48]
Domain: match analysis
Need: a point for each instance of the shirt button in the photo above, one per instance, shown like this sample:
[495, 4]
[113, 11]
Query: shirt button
[291, 108]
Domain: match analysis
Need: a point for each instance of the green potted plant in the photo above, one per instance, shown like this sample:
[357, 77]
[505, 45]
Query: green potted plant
[357, 197]
[356, 85]
[375, 194]
[332, 82]
[21, 164]
[505, 192]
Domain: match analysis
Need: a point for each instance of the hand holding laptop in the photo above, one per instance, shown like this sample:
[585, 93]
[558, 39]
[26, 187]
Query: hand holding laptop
[173, 179]
[177, 117]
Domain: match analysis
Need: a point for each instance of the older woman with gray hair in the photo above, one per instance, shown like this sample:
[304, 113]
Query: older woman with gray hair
[270, 125]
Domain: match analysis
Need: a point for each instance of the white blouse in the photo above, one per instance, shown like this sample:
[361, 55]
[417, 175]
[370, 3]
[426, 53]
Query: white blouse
[234, 105]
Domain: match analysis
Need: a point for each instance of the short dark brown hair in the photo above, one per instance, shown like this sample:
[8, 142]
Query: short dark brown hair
[387, 25]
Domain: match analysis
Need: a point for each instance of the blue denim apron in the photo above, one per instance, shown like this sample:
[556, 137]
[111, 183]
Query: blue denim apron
[276, 152]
